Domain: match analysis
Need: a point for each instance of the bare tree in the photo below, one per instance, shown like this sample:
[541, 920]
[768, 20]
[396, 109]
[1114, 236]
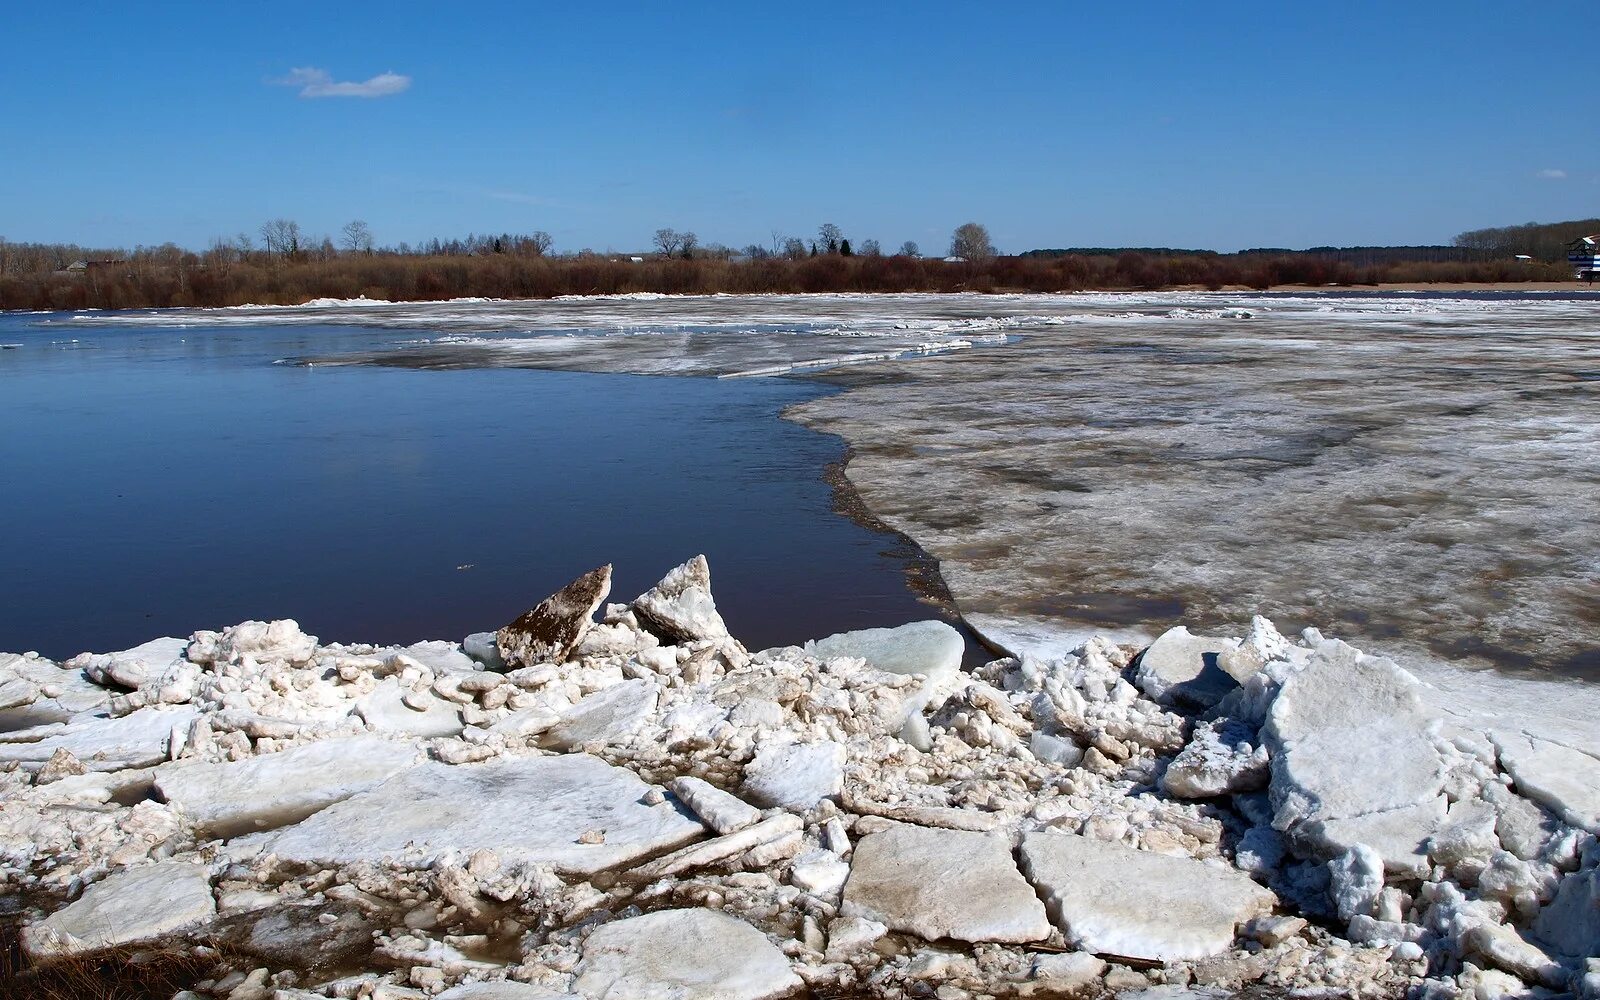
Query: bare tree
[281, 236]
[667, 242]
[870, 248]
[539, 242]
[910, 249]
[356, 237]
[794, 248]
[686, 244]
[829, 237]
[971, 241]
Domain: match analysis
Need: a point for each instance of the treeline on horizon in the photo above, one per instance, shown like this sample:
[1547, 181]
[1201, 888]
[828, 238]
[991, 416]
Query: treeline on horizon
[286, 271]
[1539, 240]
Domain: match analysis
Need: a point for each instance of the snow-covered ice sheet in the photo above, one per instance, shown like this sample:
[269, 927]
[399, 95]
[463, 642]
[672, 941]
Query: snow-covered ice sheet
[1421, 475]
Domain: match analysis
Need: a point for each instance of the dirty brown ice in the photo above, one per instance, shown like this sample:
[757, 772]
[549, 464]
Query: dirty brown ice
[638, 807]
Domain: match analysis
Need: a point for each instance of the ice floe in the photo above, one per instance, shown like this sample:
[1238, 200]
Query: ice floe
[643, 808]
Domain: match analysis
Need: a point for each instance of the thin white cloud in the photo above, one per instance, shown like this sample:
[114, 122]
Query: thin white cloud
[1552, 174]
[315, 82]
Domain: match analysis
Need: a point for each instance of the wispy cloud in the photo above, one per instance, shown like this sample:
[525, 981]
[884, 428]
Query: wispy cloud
[1552, 174]
[315, 82]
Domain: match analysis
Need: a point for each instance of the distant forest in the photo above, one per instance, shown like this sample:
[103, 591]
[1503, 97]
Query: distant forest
[1359, 256]
[1539, 240]
[284, 267]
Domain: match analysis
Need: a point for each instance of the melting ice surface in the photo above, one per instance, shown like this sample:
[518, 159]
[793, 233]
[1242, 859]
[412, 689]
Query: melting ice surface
[1418, 473]
[647, 334]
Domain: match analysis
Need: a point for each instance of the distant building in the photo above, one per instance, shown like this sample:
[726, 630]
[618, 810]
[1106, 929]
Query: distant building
[953, 259]
[82, 267]
[1583, 254]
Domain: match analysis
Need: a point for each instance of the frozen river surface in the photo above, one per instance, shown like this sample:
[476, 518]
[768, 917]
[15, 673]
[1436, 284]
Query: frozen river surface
[1419, 474]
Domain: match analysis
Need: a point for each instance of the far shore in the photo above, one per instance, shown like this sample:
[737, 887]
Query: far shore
[1442, 286]
[1447, 286]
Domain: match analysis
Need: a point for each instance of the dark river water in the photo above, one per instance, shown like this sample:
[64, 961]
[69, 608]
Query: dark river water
[158, 481]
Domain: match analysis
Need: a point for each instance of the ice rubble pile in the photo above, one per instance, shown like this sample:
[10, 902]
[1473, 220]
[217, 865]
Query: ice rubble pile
[639, 807]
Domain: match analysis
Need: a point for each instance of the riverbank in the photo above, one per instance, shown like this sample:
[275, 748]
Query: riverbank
[289, 280]
[619, 806]
[1470, 286]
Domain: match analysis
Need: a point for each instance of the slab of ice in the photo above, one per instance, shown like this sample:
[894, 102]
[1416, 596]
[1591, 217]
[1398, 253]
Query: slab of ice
[943, 884]
[795, 775]
[16, 692]
[703, 954]
[1401, 835]
[534, 809]
[318, 935]
[931, 649]
[1353, 759]
[680, 608]
[260, 641]
[139, 739]
[1220, 759]
[135, 904]
[1356, 881]
[781, 827]
[722, 812]
[554, 628]
[1114, 900]
[501, 991]
[927, 647]
[819, 872]
[389, 709]
[852, 935]
[1067, 973]
[62, 692]
[1181, 667]
[607, 716]
[1571, 921]
[482, 647]
[441, 657]
[277, 789]
[1262, 644]
[131, 668]
[1565, 780]
[1045, 639]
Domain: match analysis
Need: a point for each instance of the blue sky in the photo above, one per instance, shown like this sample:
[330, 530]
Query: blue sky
[1222, 125]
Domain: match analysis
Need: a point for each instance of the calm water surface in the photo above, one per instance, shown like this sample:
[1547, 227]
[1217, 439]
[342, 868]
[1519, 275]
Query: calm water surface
[158, 481]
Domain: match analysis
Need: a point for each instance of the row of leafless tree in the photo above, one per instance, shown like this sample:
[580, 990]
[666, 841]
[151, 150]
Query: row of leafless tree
[180, 279]
[1539, 240]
